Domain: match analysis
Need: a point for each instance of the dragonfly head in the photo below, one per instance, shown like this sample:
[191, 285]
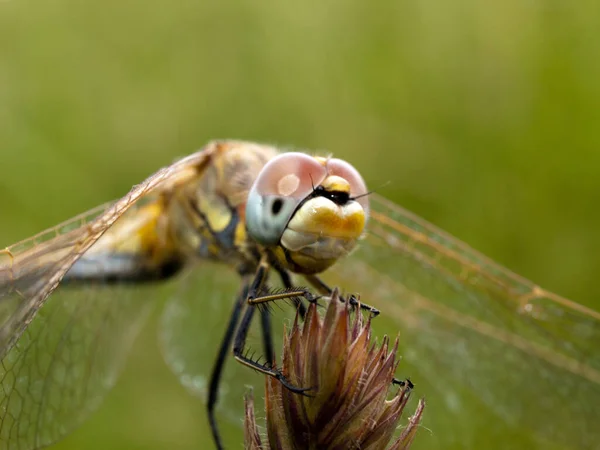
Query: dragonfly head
[310, 211]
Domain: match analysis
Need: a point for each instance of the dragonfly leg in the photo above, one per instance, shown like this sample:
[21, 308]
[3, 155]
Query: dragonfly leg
[238, 352]
[409, 384]
[267, 336]
[287, 283]
[215, 376]
[295, 294]
[322, 287]
[265, 317]
[239, 344]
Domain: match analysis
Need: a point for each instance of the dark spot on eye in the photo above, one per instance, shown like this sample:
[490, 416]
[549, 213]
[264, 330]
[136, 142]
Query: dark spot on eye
[276, 206]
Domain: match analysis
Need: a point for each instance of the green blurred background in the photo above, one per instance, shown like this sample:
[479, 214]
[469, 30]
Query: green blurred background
[482, 117]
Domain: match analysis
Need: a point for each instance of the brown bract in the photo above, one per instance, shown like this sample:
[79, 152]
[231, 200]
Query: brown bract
[347, 406]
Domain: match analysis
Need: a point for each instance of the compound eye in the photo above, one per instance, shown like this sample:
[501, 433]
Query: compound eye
[358, 187]
[282, 184]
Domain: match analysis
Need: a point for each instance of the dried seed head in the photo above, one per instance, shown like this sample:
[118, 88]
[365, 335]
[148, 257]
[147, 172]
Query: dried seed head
[347, 406]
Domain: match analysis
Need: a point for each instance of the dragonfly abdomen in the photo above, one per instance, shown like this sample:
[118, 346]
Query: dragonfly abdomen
[121, 268]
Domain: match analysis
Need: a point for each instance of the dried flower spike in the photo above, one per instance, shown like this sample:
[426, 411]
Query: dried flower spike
[347, 407]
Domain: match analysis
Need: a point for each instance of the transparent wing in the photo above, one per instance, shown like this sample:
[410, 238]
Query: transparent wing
[26, 270]
[66, 360]
[499, 359]
[60, 353]
[32, 269]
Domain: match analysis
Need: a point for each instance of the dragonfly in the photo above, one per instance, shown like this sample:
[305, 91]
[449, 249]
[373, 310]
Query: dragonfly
[73, 298]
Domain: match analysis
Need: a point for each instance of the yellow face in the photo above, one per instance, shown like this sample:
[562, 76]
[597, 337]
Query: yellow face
[310, 211]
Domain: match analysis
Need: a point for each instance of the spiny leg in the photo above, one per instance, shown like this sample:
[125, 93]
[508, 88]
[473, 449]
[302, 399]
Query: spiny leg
[322, 287]
[287, 284]
[254, 297]
[215, 376]
[266, 326]
[238, 352]
[267, 336]
[242, 332]
[293, 294]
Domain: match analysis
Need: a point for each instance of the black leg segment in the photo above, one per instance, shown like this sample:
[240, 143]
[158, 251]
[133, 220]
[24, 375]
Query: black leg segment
[224, 349]
[287, 283]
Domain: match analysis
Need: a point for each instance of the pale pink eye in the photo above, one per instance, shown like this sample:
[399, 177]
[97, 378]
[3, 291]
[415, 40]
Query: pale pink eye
[290, 175]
